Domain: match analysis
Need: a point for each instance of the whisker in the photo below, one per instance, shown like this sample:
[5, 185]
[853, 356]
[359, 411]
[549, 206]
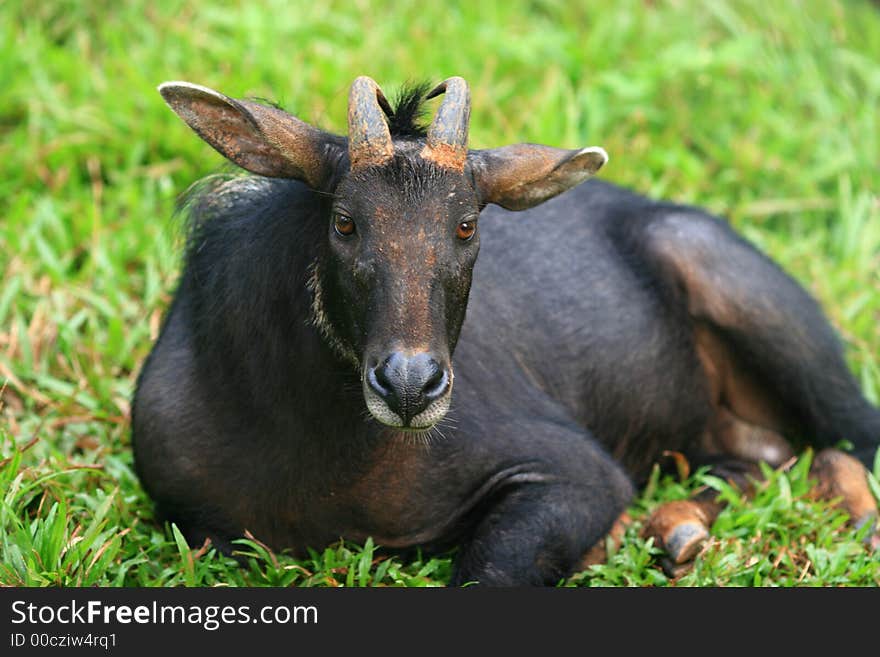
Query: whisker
[449, 422]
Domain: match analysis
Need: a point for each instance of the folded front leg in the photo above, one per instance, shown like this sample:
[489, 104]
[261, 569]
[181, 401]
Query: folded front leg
[536, 533]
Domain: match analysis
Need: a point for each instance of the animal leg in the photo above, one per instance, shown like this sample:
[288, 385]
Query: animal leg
[682, 527]
[534, 529]
[733, 447]
[841, 477]
[598, 553]
[777, 361]
[534, 536]
[738, 439]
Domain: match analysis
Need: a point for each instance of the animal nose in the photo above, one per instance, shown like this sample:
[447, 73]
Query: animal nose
[408, 383]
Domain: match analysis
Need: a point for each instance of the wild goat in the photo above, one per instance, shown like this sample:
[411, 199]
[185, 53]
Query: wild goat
[302, 387]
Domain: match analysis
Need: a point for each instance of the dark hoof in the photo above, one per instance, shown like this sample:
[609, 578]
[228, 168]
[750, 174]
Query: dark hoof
[684, 541]
[675, 570]
[680, 528]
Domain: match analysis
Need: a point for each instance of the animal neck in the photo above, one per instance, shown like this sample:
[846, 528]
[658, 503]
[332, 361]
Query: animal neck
[286, 355]
[320, 320]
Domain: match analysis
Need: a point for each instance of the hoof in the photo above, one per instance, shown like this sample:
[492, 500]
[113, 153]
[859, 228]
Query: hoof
[675, 570]
[680, 528]
[684, 541]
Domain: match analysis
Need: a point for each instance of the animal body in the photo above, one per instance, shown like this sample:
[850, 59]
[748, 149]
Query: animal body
[338, 362]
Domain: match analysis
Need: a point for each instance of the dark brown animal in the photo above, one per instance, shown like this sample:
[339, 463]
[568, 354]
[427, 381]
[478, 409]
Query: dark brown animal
[316, 377]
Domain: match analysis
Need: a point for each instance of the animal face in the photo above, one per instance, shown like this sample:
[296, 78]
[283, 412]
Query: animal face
[403, 240]
[391, 288]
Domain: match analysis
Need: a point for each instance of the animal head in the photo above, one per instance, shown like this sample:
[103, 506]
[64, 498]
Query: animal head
[401, 238]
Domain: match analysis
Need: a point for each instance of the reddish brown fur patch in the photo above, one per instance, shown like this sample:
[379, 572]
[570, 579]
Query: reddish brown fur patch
[732, 387]
[368, 153]
[730, 435]
[447, 156]
[598, 553]
[841, 476]
[671, 516]
[688, 249]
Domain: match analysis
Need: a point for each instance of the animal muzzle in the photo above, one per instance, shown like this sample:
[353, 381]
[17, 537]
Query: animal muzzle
[408, 390]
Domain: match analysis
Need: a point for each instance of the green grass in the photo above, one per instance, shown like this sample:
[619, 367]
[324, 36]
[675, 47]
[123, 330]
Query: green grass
[765, 112]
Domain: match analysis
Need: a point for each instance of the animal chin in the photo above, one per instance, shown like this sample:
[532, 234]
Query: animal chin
[422, 422]
[435, 412]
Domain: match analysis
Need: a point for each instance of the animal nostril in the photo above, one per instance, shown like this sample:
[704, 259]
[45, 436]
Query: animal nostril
[407, 383]
[437, 382]
[377, 377]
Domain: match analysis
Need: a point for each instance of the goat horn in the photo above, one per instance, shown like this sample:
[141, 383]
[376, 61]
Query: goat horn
[369, 140]
[448, 135]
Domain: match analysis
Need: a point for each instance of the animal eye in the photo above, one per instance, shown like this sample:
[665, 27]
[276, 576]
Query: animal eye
[466, 230]
[344, 226]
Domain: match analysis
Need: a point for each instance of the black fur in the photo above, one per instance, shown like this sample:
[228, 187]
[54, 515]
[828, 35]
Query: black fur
[408, 119]
[575, 368]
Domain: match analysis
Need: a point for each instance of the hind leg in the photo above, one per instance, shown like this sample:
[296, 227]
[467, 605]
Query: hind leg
[771, 356]
[773, 367]
[681, 527]
[735, 448]
[841, 477]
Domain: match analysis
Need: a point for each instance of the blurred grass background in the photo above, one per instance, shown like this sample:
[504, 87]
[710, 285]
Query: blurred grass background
[765, 112]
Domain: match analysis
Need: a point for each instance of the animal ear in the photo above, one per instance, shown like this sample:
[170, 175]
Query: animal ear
[522, 176]
[261, 139]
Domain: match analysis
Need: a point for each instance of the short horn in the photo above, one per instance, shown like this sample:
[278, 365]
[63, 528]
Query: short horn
[448, 135]
[369, 140]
